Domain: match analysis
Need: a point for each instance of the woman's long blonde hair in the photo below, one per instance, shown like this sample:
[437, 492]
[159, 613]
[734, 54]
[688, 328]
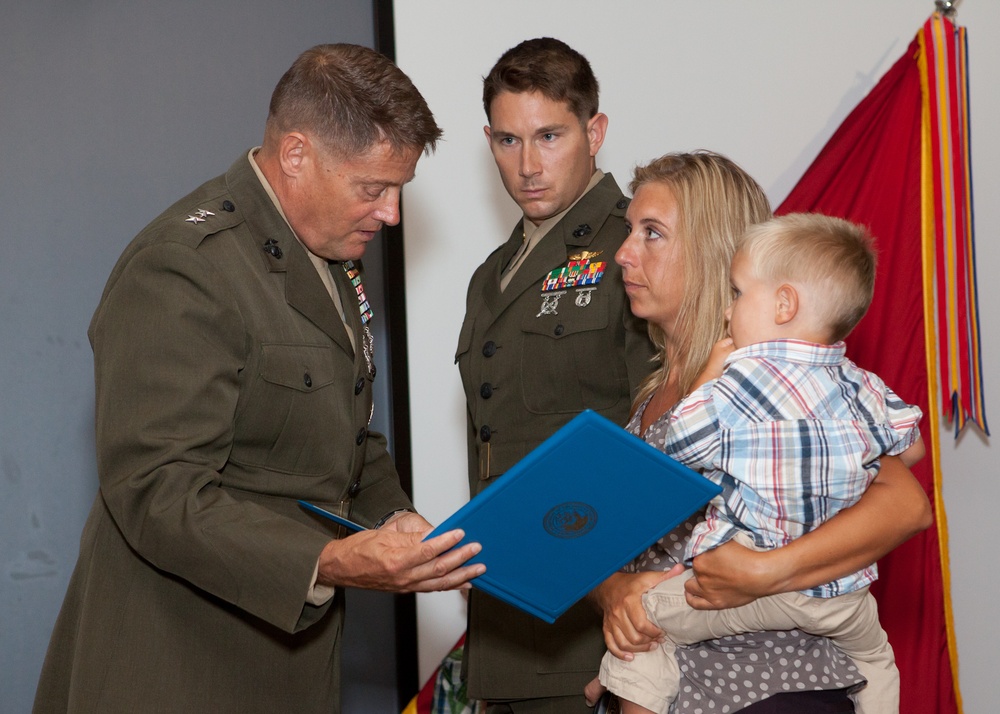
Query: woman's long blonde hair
[717, 202]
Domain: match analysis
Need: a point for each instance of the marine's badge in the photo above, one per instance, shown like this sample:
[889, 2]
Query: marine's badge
[550, 301]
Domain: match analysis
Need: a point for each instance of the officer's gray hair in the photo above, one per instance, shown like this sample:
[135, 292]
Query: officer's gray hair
[350, 98]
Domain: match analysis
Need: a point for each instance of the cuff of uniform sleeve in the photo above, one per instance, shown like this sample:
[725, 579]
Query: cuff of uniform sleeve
[319, 594]
[391, 516]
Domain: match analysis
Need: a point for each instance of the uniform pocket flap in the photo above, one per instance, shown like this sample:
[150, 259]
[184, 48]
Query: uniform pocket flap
[572, 317]
[304, 368]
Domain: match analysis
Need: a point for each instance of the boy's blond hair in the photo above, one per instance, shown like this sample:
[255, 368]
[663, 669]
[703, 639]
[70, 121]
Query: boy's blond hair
[834, 258]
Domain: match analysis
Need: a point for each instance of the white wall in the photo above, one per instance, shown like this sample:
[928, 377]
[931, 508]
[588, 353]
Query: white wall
[765, 83]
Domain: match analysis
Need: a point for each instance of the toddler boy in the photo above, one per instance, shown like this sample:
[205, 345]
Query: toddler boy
[793, 432]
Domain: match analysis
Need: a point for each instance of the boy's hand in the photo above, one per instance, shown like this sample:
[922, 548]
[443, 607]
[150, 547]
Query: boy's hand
[716, 359]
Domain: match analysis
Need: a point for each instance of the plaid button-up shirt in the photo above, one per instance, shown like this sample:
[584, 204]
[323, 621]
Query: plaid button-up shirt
[793, 432]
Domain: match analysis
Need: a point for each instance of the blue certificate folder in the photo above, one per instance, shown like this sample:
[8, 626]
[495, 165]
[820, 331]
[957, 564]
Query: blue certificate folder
[573, 511]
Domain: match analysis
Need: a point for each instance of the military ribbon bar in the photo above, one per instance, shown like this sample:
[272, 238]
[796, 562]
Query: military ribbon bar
[575, 273]
[354, 275]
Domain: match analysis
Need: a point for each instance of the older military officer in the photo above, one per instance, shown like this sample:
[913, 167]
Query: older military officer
[233, 377]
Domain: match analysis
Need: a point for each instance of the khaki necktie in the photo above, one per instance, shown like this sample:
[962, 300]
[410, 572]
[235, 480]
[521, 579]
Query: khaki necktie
[515, 262]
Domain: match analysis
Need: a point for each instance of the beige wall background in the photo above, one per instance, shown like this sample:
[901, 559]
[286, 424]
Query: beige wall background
[766, 84]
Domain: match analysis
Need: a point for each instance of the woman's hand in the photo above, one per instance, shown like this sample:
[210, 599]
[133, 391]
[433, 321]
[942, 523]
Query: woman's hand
[626, 628]
[729, 576]
[892, 510]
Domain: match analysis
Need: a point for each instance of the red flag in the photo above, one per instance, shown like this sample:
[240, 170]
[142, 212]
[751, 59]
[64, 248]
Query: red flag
[898, 165]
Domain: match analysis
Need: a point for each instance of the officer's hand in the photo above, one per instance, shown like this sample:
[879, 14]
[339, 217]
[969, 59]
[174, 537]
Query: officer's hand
[396, 561]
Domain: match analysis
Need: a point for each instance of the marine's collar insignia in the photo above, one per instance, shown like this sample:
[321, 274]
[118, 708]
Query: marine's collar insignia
[271, 248]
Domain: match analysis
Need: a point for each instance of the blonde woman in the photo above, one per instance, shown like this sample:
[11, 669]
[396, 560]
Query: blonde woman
[685, 219]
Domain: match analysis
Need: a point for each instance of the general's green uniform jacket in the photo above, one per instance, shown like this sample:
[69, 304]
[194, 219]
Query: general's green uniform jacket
[527, 370]
[226, 389]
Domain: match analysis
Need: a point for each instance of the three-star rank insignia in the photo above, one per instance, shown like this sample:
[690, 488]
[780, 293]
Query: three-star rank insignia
[198, 216]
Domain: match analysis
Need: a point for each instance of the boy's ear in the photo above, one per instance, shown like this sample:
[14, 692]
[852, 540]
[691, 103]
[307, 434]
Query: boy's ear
[786, 304]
